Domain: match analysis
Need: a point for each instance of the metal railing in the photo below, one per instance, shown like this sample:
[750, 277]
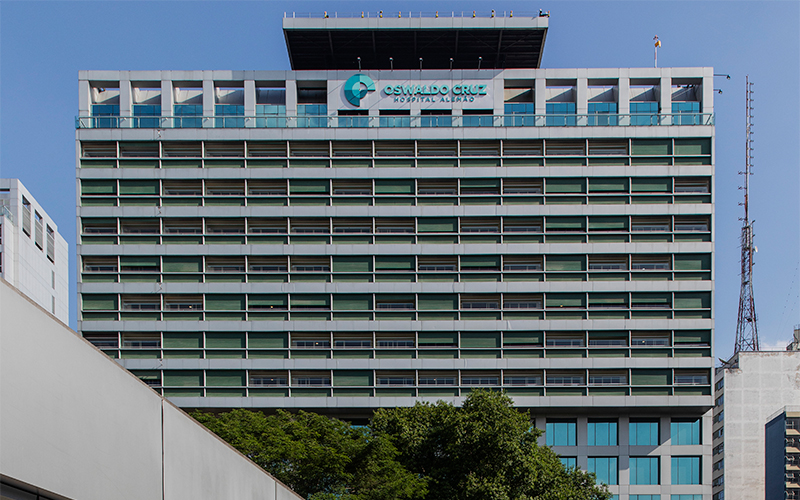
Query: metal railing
[411, 14]
[439, 121]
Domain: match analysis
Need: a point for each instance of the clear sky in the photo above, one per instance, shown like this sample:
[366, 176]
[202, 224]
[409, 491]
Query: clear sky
[44, 44]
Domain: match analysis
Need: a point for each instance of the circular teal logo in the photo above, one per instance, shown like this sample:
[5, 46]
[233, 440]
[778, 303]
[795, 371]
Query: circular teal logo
[356, 88]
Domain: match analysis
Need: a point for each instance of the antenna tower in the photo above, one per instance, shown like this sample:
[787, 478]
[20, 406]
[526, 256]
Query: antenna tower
[746, 326]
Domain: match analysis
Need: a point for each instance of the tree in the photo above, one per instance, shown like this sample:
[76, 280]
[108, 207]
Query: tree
[484, 450]
[320, 458]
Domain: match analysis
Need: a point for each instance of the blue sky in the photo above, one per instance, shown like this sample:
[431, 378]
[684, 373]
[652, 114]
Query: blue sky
[44, 44]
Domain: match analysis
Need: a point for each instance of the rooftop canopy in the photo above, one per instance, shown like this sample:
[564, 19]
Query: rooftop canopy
[400, 42]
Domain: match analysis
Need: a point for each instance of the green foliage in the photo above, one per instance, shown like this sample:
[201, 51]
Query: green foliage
[318, 457]
[484, 450]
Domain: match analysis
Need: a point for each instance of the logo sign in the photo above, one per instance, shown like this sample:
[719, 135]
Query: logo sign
[356, 88]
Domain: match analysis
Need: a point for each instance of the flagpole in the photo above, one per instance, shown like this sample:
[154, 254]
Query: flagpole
[656, 45]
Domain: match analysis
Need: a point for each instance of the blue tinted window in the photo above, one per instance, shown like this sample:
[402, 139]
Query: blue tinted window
[559, 110]
[643, 433]
[645, 113]
[602, 108]
[519, 108]
[686, 497]
[645, 497]
[569, 462]
[436, 121]
[561, 433]
[690, 112]
[477, 120]
[353, 121]
[145, 110]
[182, 110]
[275, 115]
[685, 470]
[229, 110]
[105, 110]
[644, 470]
[317, 112]
[604, 468]
[685, 432]
[602, 433]
[395, 121]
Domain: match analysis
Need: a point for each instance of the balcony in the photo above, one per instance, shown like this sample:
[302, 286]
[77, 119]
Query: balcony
[449, 121]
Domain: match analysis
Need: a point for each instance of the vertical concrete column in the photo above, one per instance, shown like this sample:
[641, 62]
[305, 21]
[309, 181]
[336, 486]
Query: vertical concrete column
[84, 98]
[208, 100]
[291, 97]
[707, 94]
[665, 96]
[125, 97]
[582, 96]
[540, 96]
[498, 100]
[624, 97]
[167, 98]
[249, 102]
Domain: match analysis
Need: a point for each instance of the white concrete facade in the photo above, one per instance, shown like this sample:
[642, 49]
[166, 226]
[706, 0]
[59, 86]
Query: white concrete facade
[34, 257]
[750, 389]
[77, 426]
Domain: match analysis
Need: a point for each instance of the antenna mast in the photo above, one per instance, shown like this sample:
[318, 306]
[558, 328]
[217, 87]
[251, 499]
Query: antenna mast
[746, 326]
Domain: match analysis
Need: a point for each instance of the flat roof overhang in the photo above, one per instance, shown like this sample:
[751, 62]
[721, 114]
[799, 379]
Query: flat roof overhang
[337, 43]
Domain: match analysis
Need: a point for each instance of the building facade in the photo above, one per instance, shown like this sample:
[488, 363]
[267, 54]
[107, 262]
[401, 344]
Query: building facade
[755, 438]
[33, 255]
[338, 238]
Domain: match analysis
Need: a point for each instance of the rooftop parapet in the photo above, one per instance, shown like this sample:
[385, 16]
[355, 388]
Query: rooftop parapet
[415, 40]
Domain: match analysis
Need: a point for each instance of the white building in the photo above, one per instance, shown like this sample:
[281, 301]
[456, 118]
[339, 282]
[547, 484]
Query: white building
[77, 426]
[33, 255]
[750, 390]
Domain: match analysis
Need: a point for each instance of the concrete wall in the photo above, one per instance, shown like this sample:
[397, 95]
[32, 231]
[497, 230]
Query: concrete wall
[75, 424]
[759, 384]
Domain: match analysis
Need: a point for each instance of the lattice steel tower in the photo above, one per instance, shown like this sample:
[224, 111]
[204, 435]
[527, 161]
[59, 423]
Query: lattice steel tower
[747, 326]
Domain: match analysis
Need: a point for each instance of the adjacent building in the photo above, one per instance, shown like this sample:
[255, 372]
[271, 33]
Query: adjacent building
[33, 255]
[415, 210]
[756, 451]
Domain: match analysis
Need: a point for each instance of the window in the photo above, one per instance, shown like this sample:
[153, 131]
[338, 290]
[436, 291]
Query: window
[688, 113]
[353, 118]
[719, 465]
[644, 113]
[561, 433]
[643, 433]
[111, 110]
[645, 497]
[605, 113]
[686, 497]
[644, 470]
[395, 118]
[477, 118]
[685, 431]
[312, 115]
[559, 114]
[51, 246]
[569, 462]
[187, 110]
[718, 434]
[146, 115]
[519, 108]
[436, 118]
[685, 470]
[232, 110]
[38, 237]
[26, 216]
[602, 433]
[604, 468]
[270, 115]
[719, 417]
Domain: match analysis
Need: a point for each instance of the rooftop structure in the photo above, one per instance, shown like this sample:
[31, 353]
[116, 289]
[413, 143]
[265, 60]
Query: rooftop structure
[428, 41]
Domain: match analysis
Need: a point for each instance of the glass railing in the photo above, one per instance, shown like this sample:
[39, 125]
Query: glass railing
[447, 121]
